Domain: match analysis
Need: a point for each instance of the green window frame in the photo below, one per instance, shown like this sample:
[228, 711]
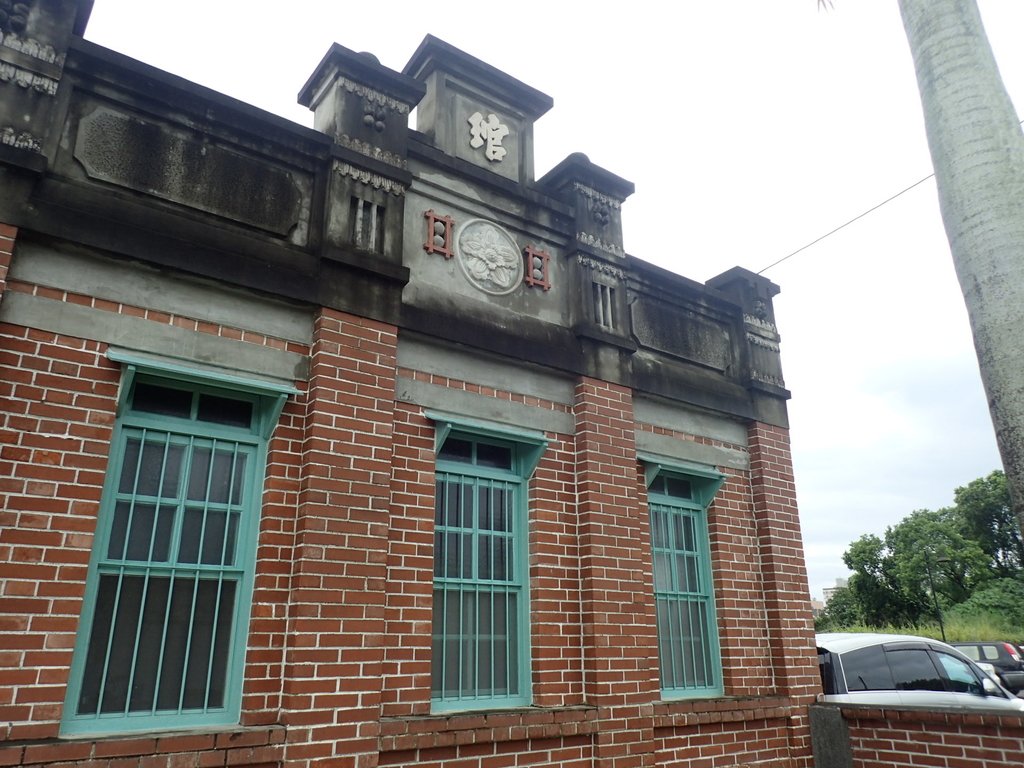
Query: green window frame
[480, 629]
[678, 495]
[162, 638]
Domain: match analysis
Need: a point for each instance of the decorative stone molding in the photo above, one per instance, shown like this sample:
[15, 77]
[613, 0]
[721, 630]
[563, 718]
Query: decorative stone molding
[599, 266]
[764, 325]
[767, 378]
[19, 140]
[374, 180]
[373, 96]
[599, 197]
[760, 341]
[601, 245]
[489, 257]
[30, 47]
[26, 79]
[365, 148]
[538, 268]
[439, 234]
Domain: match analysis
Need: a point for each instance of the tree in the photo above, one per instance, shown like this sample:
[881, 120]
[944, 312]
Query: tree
[984, 507]
[977, 151]
[842, 610]
[928, 550]
[876, 585]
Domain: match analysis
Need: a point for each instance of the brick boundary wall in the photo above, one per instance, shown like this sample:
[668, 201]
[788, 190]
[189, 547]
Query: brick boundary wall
[890, 738]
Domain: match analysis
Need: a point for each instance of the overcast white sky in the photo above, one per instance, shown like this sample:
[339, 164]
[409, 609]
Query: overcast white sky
[750, 128]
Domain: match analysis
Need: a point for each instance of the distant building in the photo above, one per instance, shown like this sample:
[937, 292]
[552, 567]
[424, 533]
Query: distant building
[359, 445]
[829, 591]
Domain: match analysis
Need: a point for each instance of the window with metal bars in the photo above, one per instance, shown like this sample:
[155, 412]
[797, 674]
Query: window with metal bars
[683, 591]
[480, 619]
[162, 635]
[367, 225]
[604, 305]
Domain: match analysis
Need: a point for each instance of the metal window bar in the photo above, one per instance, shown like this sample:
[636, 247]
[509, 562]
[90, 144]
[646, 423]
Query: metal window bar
[684, 640]
[176, 573]
[120, 578]
[480, 651]
[152, 538]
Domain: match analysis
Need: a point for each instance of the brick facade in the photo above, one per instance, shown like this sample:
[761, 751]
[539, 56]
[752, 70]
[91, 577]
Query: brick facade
[357, 359]
[338, 661]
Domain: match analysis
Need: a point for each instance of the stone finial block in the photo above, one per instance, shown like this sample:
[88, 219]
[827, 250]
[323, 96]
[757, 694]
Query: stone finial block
[751, 291]
[362, 104]
[754, 294]
[476, 112]
[596, 195]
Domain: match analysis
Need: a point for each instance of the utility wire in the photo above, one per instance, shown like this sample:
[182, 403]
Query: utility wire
[855, 218]
[841, 226]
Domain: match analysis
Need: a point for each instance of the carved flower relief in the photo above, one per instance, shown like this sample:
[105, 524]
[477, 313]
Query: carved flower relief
[489, 257]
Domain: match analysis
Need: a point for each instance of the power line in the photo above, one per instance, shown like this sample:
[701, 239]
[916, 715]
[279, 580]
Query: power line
[855, 218]
[841, 226]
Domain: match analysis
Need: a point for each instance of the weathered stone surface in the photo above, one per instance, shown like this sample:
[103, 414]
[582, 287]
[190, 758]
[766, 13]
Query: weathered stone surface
[167, 163]
[682, 333]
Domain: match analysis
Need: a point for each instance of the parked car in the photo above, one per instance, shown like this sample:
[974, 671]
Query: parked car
[1004, 656]
[903, 670]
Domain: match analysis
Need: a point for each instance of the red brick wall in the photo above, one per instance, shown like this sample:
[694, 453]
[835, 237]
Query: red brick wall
[908, 739]
[619, 635]
[335, 628]
[57, 401]
[57, 409]
[780, 550]
[338, 666]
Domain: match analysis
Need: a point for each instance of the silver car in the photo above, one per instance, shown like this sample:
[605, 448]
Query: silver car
[905, 671]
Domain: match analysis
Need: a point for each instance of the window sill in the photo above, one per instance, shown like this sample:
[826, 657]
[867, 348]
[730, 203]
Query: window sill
[684, 712]
[441, 730]
[235, 745]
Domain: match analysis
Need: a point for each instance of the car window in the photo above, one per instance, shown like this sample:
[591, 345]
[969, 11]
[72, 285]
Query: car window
[826, 671]
[913, 670]
[990, 652]
[961, 677]
[867, 670]
[970, 651]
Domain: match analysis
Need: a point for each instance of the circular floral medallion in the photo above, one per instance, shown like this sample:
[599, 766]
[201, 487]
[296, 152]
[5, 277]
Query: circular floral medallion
[489, 257]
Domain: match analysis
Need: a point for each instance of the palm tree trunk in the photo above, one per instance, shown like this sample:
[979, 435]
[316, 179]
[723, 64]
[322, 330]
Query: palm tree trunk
[978, 153]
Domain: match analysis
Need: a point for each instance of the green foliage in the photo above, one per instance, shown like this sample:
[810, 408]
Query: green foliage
[1002, 599]
[875, 584]
[987, 627]
[843, 610]
[964, 562]
[988, 518]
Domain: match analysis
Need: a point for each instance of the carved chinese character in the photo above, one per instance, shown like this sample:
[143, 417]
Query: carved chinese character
[488, 132]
